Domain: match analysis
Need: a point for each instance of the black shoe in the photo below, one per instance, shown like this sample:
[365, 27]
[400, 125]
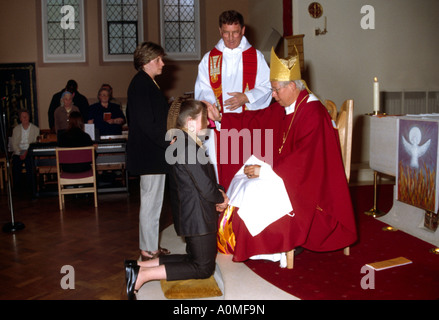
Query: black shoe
[298, 250]
[130, 263]
[131, 274]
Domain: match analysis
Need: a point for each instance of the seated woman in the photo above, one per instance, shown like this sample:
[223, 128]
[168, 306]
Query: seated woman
[73, 137]
[62, 113]
[22, 136]
[110, 90]
[107, 117]
[195, 198]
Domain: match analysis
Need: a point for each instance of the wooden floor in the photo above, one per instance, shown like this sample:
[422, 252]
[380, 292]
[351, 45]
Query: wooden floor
[95, 242]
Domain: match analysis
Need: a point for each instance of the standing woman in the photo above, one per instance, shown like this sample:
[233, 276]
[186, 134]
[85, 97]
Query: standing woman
[195, 196]
[147, 111]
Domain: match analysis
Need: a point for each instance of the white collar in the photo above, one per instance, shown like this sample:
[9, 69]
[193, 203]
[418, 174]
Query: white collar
[290, 109]
[244, 45]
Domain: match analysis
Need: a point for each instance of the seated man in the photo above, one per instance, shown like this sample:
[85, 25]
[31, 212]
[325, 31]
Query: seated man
[307, 157]
[107, 116]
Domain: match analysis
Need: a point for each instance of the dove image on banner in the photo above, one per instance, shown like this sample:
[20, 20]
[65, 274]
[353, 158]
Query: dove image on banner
[417, 163]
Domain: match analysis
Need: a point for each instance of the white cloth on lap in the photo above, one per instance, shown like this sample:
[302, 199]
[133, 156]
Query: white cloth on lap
[261, 201]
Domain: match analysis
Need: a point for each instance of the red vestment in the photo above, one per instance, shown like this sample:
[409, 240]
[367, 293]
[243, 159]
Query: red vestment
[312, 169]
[227, 168]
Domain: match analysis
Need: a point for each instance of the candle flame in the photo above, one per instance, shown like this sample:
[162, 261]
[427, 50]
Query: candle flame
[375, 79]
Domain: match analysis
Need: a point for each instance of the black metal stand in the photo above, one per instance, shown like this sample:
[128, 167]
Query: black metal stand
[12, 226]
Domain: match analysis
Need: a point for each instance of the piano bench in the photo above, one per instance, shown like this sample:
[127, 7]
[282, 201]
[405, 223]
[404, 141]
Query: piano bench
[105, 167]
[48, 174]
[110, 166]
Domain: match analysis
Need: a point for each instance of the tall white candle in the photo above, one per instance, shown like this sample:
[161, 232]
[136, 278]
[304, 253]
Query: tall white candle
[376, 95]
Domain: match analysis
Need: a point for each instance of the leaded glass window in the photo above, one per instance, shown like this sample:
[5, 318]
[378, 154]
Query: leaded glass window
[122, 28]
[63, 30]
[180, 28]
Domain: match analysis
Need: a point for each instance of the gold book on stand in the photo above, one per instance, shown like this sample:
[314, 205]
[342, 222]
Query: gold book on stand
[391, 263]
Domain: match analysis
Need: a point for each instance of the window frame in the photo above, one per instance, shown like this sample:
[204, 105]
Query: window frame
[182, 56]
[140, 34]
[63, 58]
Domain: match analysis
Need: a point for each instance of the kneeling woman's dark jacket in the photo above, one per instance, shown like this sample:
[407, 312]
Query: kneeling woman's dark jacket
[194, 192]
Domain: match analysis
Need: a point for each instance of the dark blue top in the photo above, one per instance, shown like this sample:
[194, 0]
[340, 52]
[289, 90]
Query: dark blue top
[72, 138]
[96, 113]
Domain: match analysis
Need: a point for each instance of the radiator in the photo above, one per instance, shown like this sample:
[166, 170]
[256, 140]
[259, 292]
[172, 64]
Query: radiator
[410, 102]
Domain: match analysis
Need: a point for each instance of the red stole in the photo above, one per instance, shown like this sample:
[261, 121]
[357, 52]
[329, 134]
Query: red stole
[250, 68]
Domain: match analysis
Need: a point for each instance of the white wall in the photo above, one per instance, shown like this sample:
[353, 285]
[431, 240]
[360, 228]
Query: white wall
[263, 19]
[401, 51]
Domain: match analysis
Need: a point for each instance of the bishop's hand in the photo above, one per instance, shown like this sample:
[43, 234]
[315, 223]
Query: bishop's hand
[252, 171]
[212, 112]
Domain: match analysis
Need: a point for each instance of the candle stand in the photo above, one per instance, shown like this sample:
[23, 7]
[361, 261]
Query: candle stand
[374, 212]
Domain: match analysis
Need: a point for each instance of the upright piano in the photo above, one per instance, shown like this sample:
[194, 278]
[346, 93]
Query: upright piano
[110, 165]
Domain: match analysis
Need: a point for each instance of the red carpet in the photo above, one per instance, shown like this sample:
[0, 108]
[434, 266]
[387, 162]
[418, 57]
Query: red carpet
[334, 276]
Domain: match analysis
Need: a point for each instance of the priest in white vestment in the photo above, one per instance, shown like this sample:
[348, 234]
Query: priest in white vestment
[234, 76]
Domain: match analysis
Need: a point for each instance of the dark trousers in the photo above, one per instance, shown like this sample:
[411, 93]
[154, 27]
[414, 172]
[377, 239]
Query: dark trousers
[22, 183]
[198, 263]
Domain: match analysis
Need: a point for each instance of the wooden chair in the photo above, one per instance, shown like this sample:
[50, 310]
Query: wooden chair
[344, 120]
[332, 109]
[72, 156]
[345, 125]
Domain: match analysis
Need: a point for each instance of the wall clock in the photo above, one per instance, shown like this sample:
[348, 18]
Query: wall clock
[315, 10]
